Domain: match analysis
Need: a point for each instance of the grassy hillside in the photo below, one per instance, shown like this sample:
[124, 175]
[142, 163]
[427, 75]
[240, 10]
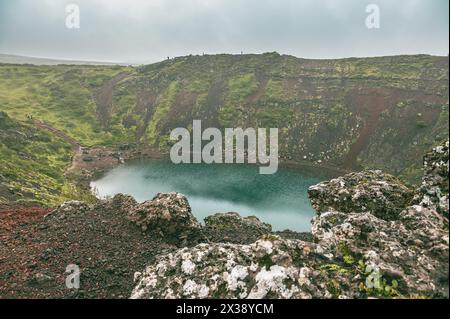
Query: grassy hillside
[362, 112]
[375, 112]
[32, 164]
[63, 96]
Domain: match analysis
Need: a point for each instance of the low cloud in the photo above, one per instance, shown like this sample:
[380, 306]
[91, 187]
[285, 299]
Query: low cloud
[148, 31]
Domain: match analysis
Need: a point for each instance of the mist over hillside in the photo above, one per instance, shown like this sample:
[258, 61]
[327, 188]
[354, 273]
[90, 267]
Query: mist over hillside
[19, 59]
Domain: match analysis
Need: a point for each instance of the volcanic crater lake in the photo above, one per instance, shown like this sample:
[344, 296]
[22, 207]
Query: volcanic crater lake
[279, 199]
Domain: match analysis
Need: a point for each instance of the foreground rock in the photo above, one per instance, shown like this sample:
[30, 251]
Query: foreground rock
[370, 191]
[434, 190]
[411, 252]
[356, 256]
[168, 215]
[36, 246]
[270, 268]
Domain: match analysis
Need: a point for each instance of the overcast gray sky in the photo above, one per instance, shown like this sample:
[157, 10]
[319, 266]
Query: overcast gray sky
[138, 31]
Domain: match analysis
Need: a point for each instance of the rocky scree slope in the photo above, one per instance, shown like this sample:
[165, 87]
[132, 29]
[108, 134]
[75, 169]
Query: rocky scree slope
[379, 246]
[109, 240]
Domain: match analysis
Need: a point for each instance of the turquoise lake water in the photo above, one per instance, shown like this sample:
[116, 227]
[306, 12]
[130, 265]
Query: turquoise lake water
[279, 199]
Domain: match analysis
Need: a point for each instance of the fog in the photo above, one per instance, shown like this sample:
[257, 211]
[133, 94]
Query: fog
[142, 31]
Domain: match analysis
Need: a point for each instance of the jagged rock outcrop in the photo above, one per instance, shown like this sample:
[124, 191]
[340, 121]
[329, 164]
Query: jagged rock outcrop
[233, 228]
[382, 194]
[356, 256]
[412, 251]
[167, 214]
[269, 268]
[434, 190]
[369, 241]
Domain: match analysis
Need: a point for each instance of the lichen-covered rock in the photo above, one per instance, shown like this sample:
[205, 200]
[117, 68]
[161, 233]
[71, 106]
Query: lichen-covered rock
[269, 268]
[233, 228]
[356, 255]
[167, 214]
[411, 251]
[370, 191]
[434, 191]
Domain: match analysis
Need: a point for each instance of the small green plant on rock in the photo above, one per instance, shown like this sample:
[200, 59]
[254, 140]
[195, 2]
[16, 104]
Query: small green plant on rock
[376, 285]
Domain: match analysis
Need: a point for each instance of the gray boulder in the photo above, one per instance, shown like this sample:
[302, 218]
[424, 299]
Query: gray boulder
[356, 255]
[233, 228]
[411, 251]
[381, 194]
[434, 190]
[167, 214]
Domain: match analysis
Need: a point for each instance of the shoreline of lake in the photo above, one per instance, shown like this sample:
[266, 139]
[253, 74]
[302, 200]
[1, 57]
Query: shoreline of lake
[279, 199]
[116, 157]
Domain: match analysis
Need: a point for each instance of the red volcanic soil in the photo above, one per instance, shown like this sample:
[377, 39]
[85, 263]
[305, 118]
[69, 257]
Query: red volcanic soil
[11, 219]
[37, 245]
[371, 103]
[104, 98]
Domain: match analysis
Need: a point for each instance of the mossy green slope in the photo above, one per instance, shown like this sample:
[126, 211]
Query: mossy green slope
[32, 164]
[381, 112]
[362, 112]
[62, 96]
